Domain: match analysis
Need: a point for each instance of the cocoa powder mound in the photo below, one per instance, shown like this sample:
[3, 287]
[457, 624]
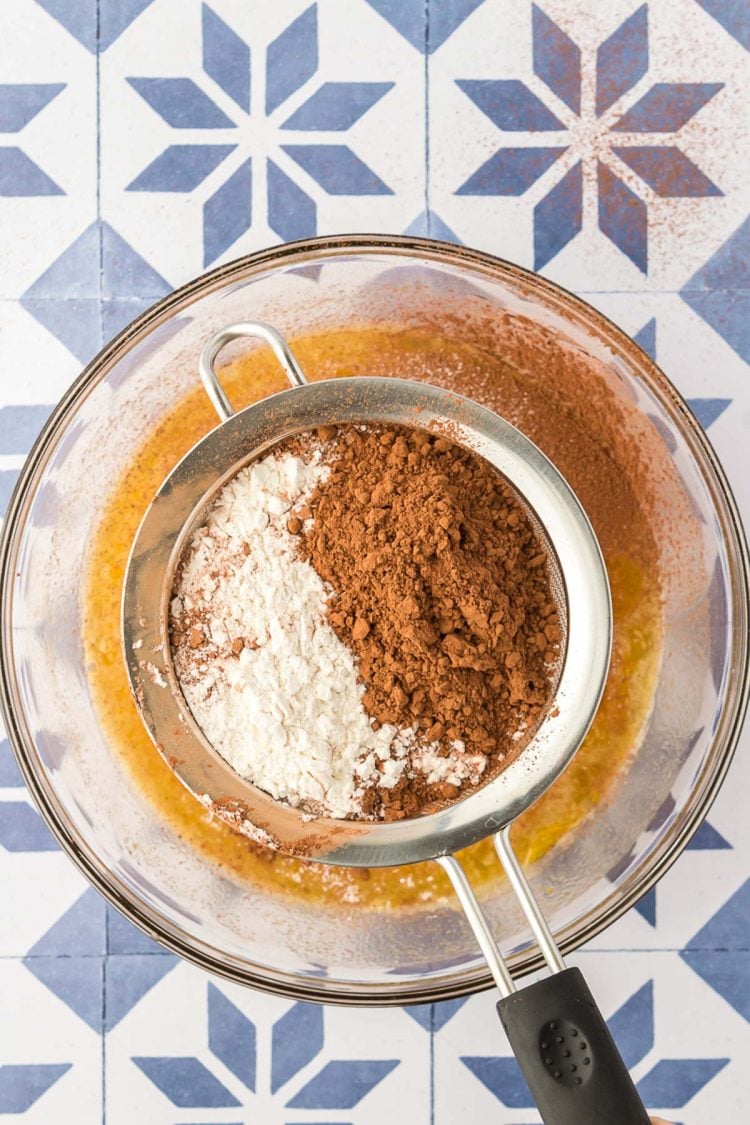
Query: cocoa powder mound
[441, 588]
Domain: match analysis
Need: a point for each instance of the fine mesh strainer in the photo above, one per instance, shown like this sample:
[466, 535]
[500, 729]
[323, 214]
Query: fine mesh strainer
[554, 1026]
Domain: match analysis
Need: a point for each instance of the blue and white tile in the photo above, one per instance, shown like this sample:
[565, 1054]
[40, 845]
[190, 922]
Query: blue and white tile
[426, 35]
[39, 882]
[604, 146]
[733, 17]
[682, 1042]
[95, 24]
[73, 967]
[712, 376]
[37, 368]
[672, 915]
[719, 292]
[707, 364]
[227, 128]
[47, 141]
[98, 261]
[213, 1052]
[51, 1060]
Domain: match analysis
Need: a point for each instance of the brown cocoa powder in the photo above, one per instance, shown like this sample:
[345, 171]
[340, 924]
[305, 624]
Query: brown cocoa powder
[441, 588]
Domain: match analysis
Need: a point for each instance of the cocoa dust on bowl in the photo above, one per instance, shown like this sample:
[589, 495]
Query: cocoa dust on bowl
[363, 624]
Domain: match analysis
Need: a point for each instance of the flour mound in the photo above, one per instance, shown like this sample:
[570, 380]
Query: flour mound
[266, 678]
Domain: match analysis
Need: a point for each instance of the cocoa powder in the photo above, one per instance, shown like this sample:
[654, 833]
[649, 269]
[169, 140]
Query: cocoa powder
[441, 588]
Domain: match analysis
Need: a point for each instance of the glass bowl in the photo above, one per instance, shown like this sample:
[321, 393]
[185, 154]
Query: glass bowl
[96, 810]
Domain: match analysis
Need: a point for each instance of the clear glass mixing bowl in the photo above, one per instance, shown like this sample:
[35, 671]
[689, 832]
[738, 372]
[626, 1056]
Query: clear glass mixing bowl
[98, 813]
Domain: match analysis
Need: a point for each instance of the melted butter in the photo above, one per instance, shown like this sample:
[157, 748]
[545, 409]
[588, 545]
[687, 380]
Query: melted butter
[590, 778]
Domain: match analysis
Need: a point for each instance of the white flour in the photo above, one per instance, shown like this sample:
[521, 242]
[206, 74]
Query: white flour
[456, 768]
[285, 710]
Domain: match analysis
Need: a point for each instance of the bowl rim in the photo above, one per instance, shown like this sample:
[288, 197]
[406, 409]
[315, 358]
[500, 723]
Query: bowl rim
[705, 785]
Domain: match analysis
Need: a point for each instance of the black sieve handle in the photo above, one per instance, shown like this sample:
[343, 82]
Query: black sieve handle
[569, 1059]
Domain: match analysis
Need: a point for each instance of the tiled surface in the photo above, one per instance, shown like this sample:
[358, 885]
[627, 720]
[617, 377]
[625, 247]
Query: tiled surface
[143, 140]
[591, 141]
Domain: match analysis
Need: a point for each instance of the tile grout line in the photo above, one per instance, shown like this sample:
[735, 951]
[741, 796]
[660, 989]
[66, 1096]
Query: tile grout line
[585, 949]
[84, 956]
[99, 169]
[105, 966]
[103, 1057]
[104, 1040]
[428, 216]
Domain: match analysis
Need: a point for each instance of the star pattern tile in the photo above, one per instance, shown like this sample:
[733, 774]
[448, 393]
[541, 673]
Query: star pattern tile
[606, 148]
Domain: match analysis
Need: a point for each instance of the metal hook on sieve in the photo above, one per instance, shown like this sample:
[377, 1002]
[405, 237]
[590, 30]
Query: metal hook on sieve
[254, 329]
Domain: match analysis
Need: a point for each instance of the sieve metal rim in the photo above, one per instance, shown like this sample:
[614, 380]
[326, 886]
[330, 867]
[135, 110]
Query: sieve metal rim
[239, 439]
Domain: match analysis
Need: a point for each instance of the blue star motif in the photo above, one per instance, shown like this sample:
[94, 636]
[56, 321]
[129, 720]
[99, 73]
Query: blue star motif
[291, 61]
[22, 1085]
[593, 136]
[667, 1085]
[296, 1040]
[19, 104]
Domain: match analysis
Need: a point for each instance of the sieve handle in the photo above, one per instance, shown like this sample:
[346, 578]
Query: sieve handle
[556, 1015]
[254, 329]
[568, 1057]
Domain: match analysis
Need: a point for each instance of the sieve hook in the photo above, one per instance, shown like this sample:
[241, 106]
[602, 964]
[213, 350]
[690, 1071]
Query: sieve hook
[254, 329]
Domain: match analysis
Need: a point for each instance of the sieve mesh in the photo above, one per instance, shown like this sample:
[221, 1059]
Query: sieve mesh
[557, 588]
[554, 574]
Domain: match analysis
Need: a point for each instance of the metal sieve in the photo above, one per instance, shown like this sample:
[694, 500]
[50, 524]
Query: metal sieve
[556, 1031]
